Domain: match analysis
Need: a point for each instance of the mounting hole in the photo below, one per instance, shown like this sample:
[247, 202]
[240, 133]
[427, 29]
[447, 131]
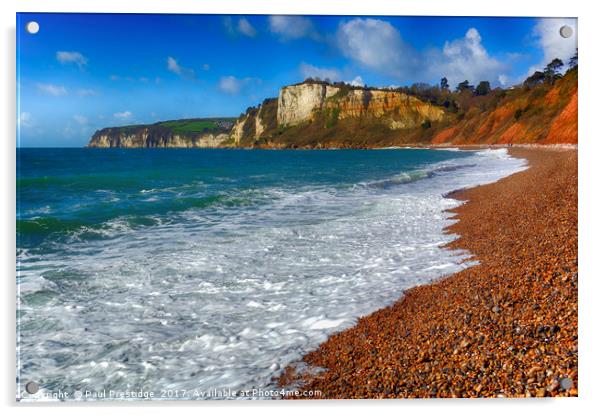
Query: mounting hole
[32, 27]
[32, 388]
[566, 31]
[566, 383]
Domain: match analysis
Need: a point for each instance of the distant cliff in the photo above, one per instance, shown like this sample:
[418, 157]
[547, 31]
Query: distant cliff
[305, 112]
[256, 122]
[300, 103]
[316, 114]
[198, 132]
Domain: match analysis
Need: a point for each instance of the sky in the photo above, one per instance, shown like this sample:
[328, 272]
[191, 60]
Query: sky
[83, 72]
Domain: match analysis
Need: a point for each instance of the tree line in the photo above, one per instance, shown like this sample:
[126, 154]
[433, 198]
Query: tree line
[551, 73]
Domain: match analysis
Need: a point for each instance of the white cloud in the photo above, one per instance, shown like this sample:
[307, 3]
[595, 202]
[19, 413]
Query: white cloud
[206, 67]
[377, 45]
[173, 66]
[547, 33]
[246, 28]
[84, 92]
[68, 131]
[77, 58]
[25, 119]
[292, 27]
[233, 85]
[80, 119]
[230, 84]
[227, 21]
[241, 26]
[357, 81]
[146, 79]
[464, 59]
[125, 115]
[50, 89]
[308, 70]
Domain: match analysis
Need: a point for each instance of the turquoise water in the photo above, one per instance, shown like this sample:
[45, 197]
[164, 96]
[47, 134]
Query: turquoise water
[63, 190]
[208, 268]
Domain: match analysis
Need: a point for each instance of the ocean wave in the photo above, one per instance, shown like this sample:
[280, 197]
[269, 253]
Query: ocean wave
[94, 218]
[412, 176]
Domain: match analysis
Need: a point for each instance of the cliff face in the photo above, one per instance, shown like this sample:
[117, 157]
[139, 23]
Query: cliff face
[297, 103]
[301, 103]
[112, 137]
[397, 110]
[323, 106]
[237, 132]
[255, 123]
[181, 133]
[546, 114]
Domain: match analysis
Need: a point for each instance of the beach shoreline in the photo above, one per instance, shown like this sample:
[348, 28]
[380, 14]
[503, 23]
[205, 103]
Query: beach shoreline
[504, 328]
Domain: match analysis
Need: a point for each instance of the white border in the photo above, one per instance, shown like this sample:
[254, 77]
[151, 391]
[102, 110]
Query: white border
[590, 160]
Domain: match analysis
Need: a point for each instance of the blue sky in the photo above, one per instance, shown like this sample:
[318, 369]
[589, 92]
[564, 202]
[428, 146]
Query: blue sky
[82, 72]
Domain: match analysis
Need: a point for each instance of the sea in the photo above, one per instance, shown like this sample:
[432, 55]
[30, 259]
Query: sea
[178, 272]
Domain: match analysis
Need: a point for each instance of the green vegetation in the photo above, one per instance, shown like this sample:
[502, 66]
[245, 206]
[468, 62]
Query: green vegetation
[269, 114]
[342, 92]
[197, 126]
[186, 127]
[332, 117]
[464, 86]
[574, 60]
[444, 84]
[483, 88]
[130, 129]
[192, 126]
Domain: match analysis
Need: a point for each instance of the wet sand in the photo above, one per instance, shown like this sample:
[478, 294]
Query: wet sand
[504, 328]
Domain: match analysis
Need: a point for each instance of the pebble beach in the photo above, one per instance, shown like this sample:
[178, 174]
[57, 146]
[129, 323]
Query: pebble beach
[506, 327]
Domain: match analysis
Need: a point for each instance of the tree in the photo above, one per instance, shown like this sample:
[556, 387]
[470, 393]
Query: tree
[518, 113]
[552, 70]
[420, 88]
[537, 78]
[483, 88]
[464, 86]
[574, 60]
[444, 84]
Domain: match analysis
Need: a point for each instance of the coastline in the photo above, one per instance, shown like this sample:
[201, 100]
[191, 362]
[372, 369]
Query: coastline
[504, 328]
[405, 146]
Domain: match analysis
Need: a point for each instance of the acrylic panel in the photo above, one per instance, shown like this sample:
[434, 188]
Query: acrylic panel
[295, 207]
